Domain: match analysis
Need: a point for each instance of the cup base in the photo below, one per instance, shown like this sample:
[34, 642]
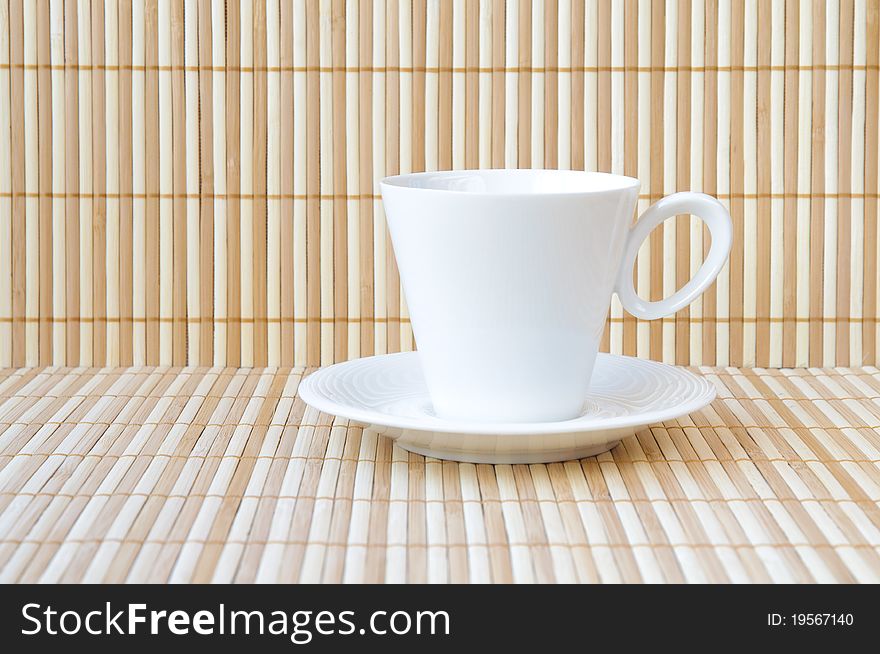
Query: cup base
[505, 417]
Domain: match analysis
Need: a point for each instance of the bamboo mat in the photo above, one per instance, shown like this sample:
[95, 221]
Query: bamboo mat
[224, 475]
[194, 182]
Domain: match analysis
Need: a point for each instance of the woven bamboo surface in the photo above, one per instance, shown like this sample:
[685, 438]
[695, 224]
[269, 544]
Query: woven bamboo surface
[197, 474]
[195, 181]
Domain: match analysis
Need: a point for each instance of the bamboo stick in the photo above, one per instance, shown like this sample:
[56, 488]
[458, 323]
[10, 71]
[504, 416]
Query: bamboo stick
[86, 180]
[59, 234]
[327, 232]
[206, 179]
[380, 301]
[273, 184]
[6, 356]
[19, 237]
[46, 201]
[247, 150]
[220, 271]
[300, 299]
[259, 270]
[99, 219]
[112, 270]
[193, 239]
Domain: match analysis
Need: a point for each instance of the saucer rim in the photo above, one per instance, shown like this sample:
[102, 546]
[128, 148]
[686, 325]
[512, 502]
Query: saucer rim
[321, 402]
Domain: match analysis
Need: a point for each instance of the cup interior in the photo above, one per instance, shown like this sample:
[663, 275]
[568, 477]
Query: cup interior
[514, 182]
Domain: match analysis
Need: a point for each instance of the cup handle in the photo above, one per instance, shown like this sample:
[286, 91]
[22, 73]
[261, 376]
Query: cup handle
[716, 217]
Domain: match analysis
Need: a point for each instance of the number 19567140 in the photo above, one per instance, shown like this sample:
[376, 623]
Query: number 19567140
[810, 620]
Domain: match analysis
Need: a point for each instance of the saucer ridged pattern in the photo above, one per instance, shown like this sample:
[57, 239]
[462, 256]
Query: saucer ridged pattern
[390, 390]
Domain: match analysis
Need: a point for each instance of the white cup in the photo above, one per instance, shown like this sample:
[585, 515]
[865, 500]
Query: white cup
[508, 275]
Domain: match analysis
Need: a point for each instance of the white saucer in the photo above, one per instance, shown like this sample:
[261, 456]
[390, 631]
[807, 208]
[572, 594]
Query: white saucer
[388, 394]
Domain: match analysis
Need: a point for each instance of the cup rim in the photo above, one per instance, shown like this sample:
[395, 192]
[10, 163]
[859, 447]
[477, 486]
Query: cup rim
[610, 182]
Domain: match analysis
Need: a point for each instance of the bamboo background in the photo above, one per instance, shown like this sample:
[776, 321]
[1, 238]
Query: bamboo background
[195, 181]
